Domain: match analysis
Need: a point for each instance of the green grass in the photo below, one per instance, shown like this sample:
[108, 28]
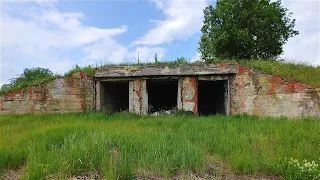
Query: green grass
[123, 145]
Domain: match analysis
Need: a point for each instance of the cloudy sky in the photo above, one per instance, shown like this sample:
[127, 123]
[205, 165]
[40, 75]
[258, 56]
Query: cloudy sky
[60, 34]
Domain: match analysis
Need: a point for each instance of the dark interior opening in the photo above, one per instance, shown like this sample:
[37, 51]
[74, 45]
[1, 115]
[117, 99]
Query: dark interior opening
[211, 97]
[162, 95]
[115, 96]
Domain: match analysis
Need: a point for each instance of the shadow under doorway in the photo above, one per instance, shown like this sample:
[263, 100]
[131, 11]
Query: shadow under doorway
[114, 96]
[212, 97]
[162, 95]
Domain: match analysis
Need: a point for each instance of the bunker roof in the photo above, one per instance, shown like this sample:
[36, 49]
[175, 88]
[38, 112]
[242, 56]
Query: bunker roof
[166, 70]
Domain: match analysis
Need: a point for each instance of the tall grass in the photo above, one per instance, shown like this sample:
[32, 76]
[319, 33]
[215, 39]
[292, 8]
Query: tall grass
[124, 145]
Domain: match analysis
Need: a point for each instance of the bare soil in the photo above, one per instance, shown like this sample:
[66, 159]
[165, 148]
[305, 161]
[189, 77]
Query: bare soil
[216, 170]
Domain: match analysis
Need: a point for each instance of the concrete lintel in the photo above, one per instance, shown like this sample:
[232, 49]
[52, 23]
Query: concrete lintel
[133, 78]
[114, 79]
[212, 77]
[165, 70]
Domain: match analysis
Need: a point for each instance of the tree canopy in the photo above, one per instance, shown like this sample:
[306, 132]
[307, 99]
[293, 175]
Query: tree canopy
[245, 29]
[28, 77]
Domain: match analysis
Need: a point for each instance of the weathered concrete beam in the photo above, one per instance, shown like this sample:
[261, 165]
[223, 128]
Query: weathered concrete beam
[166, 70]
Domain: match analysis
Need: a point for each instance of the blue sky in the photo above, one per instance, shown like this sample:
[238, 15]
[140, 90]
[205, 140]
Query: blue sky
[60, 34]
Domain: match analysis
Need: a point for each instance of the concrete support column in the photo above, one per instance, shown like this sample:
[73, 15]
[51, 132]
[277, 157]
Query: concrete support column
[179, 95]
[189, 94]
[138, 96]
[227, 96]
[144, 97]
[98, 96]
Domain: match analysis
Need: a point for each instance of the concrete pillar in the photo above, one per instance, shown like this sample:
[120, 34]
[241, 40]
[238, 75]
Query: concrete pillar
[144, 97]
[98, 96]
[189, 94]
[227, 96]
[132, 96]
[179, 95]
[138, 96]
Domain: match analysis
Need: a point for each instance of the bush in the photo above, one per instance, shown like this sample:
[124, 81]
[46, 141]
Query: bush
[29, 77]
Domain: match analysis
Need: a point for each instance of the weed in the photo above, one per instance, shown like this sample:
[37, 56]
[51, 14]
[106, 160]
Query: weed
[295, 169]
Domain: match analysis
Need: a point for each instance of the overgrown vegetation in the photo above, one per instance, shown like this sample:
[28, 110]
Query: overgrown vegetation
[125, 145]
[29, 77]
[38, 75]
[299, 72]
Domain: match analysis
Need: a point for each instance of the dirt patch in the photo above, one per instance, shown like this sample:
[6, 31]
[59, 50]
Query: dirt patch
[216, 169]
[207, 175]
[85, 176]
[12, 174]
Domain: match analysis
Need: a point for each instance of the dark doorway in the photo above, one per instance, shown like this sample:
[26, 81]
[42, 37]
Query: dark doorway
[211, 97]
[162, 95]
[114, 96]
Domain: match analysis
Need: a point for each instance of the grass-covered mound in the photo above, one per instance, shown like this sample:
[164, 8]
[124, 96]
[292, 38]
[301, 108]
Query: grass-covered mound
[125, 145]
[302, 73]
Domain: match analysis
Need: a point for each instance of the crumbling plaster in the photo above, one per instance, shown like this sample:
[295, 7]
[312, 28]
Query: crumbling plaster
[262, 94]
[72, 93]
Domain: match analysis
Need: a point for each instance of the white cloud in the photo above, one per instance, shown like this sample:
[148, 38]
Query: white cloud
[107, 49]
[304, 47]
[58, 66]
[52, 30]
[146, 54]
[183, 19]
[197, 57]
[40, 35]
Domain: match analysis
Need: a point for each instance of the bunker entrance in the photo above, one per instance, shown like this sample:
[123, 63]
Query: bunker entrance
[212, 97]
[162, 95]
[115, 96]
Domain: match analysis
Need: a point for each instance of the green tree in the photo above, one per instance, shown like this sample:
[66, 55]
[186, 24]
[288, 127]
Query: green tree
[245, 29]
[28, 77]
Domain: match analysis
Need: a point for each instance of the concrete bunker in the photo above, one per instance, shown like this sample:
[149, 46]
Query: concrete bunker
[212, 97]
[118, 88]
[198, 88]
[114, 96]
[162, 94]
